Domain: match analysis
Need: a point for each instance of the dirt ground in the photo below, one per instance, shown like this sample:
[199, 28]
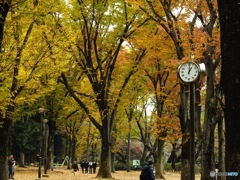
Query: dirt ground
[31, 173]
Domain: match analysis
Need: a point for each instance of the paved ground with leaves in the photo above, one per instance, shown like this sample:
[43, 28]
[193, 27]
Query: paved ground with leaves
[31, 173]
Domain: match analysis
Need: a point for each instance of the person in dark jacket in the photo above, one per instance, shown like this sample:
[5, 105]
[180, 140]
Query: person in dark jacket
[94, 166]
[75, 168]
[147, 172]
[82, 163]
[86, 165]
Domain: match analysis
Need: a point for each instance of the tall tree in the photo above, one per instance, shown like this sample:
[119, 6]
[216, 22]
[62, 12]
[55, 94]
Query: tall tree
[229, 13]
[21, 65]
[99, 30]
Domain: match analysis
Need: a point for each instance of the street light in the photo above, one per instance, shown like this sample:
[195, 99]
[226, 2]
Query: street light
[41, 112]
[45, 129]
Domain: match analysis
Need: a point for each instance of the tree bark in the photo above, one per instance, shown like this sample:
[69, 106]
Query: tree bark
[183, 116]
[221, 147]
[22, 159]
[159, 159]
[4, 136]
[112, 162]
[128, 151]
[209, 124]
[229, 13]
[105, 164]
[4, 9]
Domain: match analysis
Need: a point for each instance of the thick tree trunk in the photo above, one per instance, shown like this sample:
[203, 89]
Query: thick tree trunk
[105, 164]
[159, 159]
[144, 155]
[229, 13]
[208, 162]
[185, 170]
[4, 8]
[4, 139]
[22, 159]
[112, 162]
[209, 120]
[183, 116]
[51, 147]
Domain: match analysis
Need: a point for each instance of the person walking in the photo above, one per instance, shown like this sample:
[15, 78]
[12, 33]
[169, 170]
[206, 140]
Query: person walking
[94, 167]
[75, 168]
[90, 167]
[10, 166]
[82, 163]
[13, 168]
[147, 172]
[86, 165]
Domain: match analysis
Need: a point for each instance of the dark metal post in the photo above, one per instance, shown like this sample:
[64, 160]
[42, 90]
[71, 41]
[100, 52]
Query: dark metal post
[40, 150]
[46, 146]
[192, 137]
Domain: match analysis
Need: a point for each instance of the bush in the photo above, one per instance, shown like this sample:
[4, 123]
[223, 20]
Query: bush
[168, 167]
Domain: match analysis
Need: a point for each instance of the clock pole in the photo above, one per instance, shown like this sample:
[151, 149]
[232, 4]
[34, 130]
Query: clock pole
[190, 73]
[192, 133]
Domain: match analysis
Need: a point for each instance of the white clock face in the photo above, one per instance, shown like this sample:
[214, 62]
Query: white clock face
[188, 72]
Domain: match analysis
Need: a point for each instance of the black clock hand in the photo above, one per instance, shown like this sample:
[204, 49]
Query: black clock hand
[189, 70]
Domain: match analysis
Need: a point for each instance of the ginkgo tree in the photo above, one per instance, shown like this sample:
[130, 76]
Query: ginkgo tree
[98, 31]
[25, 63]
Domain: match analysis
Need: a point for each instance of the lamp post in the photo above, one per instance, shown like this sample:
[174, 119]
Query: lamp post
[45, 129]
[41, 111]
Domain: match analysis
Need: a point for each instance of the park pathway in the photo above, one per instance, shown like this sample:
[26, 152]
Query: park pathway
[31, 173]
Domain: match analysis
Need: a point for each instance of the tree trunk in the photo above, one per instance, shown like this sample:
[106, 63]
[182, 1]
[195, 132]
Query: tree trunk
[159, 159]
[22, 159]
[221, 146]
[69, 153]
[51, 147]
[183, 116]
[208, 162]
[209, 119]
[144, 155]
[128, 152]
[4, 137]
[4, 122]
[185, 169]
[112, 162]
[105, 164]
[4, 9]
[229, 13]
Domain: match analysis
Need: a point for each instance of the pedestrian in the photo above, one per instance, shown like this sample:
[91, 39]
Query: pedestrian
[147, 172]
[13, 168]
[82, 163]
[75, 168]
[10, 166]
[90, 167]
[94, 166]
[86, 166]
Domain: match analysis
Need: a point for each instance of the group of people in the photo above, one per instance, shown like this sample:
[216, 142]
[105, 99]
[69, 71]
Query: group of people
[87, 167]
[11, 167]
